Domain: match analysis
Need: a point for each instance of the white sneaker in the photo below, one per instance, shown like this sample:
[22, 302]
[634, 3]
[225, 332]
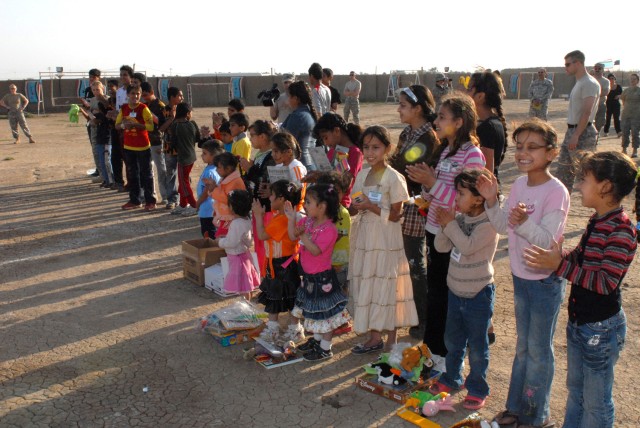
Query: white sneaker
[178, 210]
[606, 134]
[188, 211]
[295, 335]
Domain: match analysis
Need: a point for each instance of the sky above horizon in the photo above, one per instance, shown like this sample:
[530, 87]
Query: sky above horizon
[281, 37]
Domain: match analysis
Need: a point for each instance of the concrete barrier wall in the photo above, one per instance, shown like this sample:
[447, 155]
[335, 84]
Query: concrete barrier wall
[374, 87]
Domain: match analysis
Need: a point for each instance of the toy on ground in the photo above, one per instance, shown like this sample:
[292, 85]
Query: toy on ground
[474, 421]
[411, 357]
[431, 408]
[388, 375]
[411, 416]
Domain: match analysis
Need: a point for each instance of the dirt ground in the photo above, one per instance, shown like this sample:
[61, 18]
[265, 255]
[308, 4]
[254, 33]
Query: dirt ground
[93, 308]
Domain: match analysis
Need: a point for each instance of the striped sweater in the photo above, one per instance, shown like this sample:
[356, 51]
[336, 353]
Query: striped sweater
[443, 192]
[597, 266]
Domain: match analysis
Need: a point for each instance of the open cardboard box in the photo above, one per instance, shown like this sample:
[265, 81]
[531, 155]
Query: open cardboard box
[198, 254]
[399, 394]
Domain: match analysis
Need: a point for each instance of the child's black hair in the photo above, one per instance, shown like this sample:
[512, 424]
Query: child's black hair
[113, 82]
[330, 120]
[131, 88]
[615, 167]
[284, 141]
[225, 127]
[215, 147]
[240, 119]
[339, 181]
[182, 110]
[467, 179]
[328, 195]
[168, 108]
[315, 70]
[424, 99]
[140, 76]
[302, 91]
[236, 104]
[226, 159]
[146, 87]
[263, 127]
[240, 202]
[289, 191]
[172, 92]
[128, 69]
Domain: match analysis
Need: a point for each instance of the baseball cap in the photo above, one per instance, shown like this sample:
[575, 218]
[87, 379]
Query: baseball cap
[288, 77]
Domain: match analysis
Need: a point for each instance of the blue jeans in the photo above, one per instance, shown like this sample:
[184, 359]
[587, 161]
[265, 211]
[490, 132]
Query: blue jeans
[171, 178]
[104, 160]
[467, 324]
[537, 303]
[592, 352]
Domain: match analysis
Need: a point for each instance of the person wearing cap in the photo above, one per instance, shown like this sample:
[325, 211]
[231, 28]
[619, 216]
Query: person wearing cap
[581, 135]
[540, 92]
[281, 108]
[613, 106]
[441, 89]
[352, 98]
[15, 102]
[598, 73]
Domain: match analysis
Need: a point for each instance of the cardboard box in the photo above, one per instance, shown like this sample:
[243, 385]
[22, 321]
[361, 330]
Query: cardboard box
[197, 254]
[231, 338]
[399, 394]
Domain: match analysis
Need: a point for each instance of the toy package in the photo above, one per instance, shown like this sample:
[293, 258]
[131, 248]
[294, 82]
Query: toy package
[240, 315]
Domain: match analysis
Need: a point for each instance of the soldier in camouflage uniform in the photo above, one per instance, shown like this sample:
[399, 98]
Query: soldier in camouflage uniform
[15, 102]
[441, 89]
[540, 93]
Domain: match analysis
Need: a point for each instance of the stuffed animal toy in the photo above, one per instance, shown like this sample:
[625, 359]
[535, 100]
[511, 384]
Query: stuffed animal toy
[388, 375]
[411, 356]
[431, 408]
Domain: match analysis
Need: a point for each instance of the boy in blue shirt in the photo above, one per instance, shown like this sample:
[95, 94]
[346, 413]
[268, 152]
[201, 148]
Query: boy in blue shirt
[204, 204]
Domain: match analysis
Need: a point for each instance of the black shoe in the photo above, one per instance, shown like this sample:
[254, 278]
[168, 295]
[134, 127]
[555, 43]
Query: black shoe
[309, 345]
[492, 338]
[318, 354]
[360, 349]
[95, 173]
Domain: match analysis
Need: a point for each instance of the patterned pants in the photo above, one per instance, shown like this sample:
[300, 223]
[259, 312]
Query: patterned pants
[569, 159]
[352, 105]
[17, 118]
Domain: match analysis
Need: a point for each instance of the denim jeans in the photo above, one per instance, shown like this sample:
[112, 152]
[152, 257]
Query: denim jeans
[592, 352]
[467, 324]
[171, 182]
[104, 158]
[414, 249]
[537, 303]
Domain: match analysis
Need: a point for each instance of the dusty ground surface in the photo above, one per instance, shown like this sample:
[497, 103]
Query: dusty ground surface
[93, 308]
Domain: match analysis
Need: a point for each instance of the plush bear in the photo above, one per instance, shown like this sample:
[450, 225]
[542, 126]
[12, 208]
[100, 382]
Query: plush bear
[411, 357]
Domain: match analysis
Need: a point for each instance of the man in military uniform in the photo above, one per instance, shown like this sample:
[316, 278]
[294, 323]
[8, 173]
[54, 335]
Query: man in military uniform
[540, 92]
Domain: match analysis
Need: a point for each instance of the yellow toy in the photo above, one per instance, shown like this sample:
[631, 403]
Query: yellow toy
[410, 416]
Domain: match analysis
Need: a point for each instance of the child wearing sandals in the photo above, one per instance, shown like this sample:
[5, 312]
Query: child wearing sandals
[379, 271]
[534, 213]
[472, 241]
[280, 284]
[596, 267]
[320, 300]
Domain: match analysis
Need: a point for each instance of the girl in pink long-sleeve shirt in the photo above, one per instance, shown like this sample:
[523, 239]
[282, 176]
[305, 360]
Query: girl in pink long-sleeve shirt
[456, 128]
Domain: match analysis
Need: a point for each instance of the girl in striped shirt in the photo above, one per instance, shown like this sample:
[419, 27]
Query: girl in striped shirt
[596, 267]
[456, 128]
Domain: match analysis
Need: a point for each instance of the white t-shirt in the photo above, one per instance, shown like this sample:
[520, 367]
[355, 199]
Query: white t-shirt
[585, 87]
